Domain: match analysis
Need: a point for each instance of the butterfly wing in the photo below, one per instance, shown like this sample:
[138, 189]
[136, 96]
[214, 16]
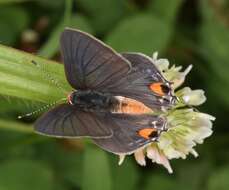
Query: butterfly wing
[89, 63]
[113, 132]
[144, 83]
[131, 132]
[145, 65]
[68, 121]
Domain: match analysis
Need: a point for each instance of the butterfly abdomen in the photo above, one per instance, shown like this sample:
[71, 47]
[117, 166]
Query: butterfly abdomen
[130, 106]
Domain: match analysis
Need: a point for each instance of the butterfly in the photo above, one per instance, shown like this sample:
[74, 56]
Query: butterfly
[106, 83]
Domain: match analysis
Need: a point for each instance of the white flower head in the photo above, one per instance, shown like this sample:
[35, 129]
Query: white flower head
[191, 97]
[172, 74]
[187, 127]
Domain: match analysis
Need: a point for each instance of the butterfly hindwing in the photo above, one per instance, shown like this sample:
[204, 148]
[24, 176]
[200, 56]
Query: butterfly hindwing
[114, 132]
[139, 82]
[68, 121]
[127, 136]
[145, 65]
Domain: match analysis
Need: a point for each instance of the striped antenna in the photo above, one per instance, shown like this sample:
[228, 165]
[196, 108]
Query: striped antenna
[49, 77]
[41, 109]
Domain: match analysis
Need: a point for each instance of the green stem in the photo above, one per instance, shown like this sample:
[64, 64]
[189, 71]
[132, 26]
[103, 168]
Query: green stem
[15, 126]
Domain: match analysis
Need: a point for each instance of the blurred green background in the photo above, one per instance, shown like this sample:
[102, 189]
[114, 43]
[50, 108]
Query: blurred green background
[184, 31]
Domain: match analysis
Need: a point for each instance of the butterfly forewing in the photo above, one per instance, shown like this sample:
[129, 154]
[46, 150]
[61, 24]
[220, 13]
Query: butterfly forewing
[88, 62]
[68, 121]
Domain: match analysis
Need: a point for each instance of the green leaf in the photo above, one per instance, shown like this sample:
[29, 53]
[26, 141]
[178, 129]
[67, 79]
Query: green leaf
[215, 45]
[80, 22]
[165, 10]
[13, 20]
[96, 171]
[66, 160]
[51, 4]
[20, 78]
[201, 170]
[10, 106]
[104, 14]
[161, 182]
[219, 179]
[51, 46]
[120, 173]
[12, 1]
[141, 33]
[73, 169]
[25, 174]
[70, 163]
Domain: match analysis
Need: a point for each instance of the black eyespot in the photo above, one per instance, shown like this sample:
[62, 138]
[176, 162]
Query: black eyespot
[166, 89]
[153, 134]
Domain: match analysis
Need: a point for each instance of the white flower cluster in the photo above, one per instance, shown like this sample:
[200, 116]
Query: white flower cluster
[187, 126]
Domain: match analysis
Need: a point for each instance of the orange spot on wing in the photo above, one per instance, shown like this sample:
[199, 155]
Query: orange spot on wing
[145, 133]
[156, 87]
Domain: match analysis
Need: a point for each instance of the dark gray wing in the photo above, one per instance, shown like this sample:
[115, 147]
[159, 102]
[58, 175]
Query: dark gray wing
[89, 63]
[145, 65]
[113, 132]
[137, 83]
[67, 121]
[126, 137]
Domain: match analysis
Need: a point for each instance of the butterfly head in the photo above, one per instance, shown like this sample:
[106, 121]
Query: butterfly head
[74, 97]
[69, 98]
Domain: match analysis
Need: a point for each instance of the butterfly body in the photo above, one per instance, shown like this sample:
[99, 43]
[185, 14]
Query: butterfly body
[93, 101]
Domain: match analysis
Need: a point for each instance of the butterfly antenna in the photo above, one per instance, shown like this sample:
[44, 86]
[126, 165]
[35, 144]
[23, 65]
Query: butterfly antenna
[49, 77]
[41, 109]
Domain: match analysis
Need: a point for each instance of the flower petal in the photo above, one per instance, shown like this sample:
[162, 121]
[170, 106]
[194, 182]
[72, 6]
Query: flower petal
[157, 156]
[121, 158]
[162, 64]
[191, 97]
[140, 157]
[179, 77]
[154, 56]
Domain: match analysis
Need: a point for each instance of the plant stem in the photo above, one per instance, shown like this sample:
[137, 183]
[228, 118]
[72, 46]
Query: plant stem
[15, 126]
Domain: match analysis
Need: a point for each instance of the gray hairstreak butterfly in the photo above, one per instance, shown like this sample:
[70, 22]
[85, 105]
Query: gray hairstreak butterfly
[110, 89]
